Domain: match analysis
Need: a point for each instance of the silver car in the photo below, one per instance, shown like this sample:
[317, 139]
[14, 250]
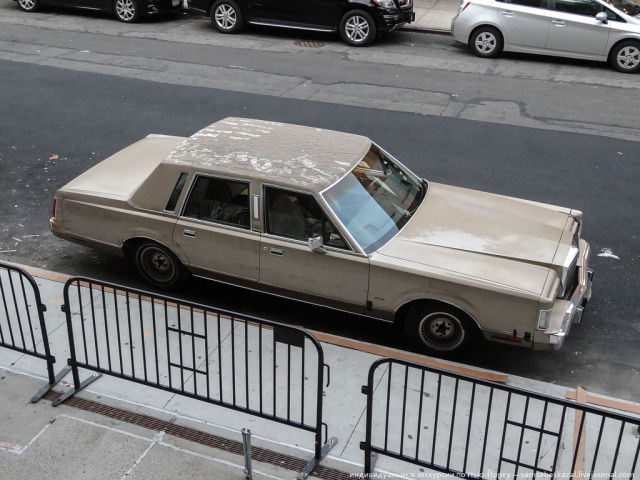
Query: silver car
[585, 29]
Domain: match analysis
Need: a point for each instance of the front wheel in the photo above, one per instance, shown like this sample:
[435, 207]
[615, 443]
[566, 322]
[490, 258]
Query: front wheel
[625, 57]
[226, 16]
[439, 330]
[158, 266]
[126, 10]
[486, 42]
[29, 5]
[357, 28]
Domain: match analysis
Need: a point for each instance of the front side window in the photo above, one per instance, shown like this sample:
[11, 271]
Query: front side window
[219, 200]
[588, 8]
[298, 216]
[376, 199]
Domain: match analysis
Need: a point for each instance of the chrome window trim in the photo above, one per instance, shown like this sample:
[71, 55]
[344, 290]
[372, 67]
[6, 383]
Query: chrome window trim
[205, 222]
[344, 228]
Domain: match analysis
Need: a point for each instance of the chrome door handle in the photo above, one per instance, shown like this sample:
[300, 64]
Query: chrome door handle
[276, 251]
[506, 13]
[189, 233]
[560, 23]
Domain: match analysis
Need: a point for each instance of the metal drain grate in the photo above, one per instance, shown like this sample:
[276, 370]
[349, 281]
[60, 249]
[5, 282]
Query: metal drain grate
[308, 43]
[258, 454]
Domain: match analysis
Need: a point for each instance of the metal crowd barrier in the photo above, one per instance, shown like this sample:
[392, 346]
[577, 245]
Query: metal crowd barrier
[22, 325]
[466, 427]
[240, 362]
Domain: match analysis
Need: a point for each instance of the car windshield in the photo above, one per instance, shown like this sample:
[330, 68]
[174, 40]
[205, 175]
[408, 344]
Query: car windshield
[631, 8]
[376, 199]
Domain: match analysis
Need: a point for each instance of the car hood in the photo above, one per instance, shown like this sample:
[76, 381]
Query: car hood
[479, 223]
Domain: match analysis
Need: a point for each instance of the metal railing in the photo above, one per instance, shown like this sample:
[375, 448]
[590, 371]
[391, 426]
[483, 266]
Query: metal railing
[463, 426]
[239, 362]
[22, 325]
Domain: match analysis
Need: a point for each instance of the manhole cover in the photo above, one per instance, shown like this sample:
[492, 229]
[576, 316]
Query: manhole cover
[308, 43]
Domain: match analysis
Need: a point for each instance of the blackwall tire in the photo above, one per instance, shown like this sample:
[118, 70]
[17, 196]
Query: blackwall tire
[358, 28]
[440, 330]
[486, 42]
[159, 266]
[226, 16]
[625, 57]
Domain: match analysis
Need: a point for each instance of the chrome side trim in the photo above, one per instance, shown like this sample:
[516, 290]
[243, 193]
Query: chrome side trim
[280, 25]
[308, 302]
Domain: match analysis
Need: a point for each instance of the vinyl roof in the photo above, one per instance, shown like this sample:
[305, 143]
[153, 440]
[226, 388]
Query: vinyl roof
[282, 153]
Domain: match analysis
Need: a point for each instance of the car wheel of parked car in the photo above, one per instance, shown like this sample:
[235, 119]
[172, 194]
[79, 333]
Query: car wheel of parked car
[29, 5]
[625, 57]
[440, 330]
[126, 10]
[357, 28]
[486, 42]
[226, 16]
[159, 266]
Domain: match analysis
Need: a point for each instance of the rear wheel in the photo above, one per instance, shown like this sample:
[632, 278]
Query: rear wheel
[226, 16]
[625, 57]
[158, 266]
[439, 329]
[29, 5]
[486, 42]
[357, 28]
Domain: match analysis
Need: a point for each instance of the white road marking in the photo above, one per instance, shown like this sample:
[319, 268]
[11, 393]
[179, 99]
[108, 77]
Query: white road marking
[608, 253]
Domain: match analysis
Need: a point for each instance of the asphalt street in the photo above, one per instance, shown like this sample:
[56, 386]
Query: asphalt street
[56, 123]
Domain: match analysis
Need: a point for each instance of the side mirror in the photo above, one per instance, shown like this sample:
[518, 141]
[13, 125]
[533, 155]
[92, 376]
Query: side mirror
[601, 17]
[316, 245]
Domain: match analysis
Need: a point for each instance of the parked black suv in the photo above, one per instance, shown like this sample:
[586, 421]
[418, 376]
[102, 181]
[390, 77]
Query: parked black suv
[359, 21]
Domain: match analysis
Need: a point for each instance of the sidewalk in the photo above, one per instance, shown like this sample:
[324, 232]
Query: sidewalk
[434, 15]
[117, 429]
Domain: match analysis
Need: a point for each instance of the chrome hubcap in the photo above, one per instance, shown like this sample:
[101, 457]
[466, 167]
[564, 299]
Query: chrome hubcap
[357, 29]
[125, 9]
[629, 57]
[486, 42]
[27, 4]
[441, 331]
[225, 16]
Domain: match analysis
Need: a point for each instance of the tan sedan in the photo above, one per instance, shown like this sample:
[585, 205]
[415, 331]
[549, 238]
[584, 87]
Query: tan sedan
[332, 219]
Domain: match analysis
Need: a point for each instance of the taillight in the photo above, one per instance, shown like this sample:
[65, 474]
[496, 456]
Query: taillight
[54, 207]
[465, 6]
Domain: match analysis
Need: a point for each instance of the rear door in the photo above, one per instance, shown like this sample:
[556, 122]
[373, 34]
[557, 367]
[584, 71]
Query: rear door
[524, 23]
[214, 229]
[574, 28]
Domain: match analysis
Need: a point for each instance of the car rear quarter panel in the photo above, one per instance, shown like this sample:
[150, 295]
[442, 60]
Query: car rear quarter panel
[475, 15]
[106, 223]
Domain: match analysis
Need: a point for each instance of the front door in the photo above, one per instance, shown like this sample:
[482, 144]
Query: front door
[338, 278]
[574, 28]
[215, 232]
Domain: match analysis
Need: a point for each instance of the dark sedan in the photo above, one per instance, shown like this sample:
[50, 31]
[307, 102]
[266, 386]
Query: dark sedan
[358, 21]
[127, 11]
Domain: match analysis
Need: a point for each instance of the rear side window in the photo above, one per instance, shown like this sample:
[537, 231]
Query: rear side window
[177, 190]
[528, 3]
[220, 201]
